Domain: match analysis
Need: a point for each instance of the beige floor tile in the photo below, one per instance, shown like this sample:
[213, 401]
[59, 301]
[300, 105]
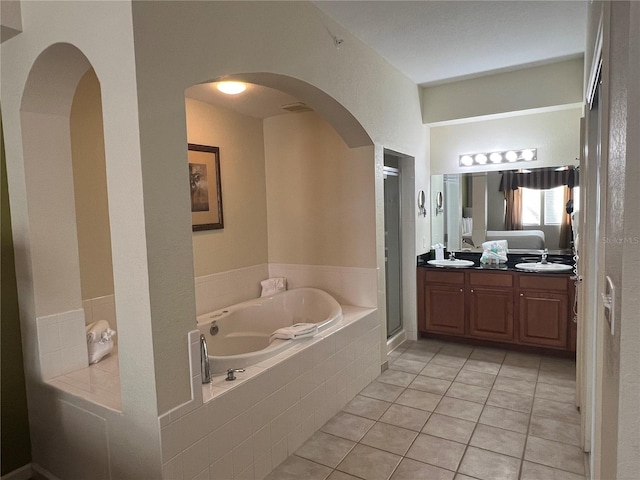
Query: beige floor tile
[554, 454]
[503, 418]
[472, 393]
[493, 355]
[366, 407]
[338, 475]
[519, 359]
[460, 476]
[567, 412]
[498, 440]
[557, 393]
[430, 384]
[510, 401]
[463, 409]
[389, 438]
[413, 470]
[436, 451]
[417, 356]
[483, 366]
[486, 465]
[369, 463]
[567, 379]
[472, 377]
[348, 426]
[417, 399]
[533, 471]
[395, 377]
[427, 345]
[560, 365]
[448, 360]
[552, 429]
[450, 428]
[405, 417]
[295, 468]
[326, 449]
[405, 365]
[382, 391]
[456, 350]
[515, 385]
[439, 371]
[523, 373]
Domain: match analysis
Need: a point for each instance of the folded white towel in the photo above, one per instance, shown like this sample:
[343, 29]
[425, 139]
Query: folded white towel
[298, 330]
[99, 331]
[271, 286]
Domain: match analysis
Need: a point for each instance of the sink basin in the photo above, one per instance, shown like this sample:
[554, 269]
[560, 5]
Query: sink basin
[544, 267]
[451, 263]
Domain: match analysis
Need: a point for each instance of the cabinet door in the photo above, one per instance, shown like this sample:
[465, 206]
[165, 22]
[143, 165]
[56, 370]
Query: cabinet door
[543, 318]
[491, 314]
[444, 309]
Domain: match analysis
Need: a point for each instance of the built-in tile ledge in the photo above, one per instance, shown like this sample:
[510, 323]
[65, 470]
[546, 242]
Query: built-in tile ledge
[98, 383]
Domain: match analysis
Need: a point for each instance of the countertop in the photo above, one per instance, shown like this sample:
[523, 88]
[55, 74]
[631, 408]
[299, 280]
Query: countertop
[510, 265]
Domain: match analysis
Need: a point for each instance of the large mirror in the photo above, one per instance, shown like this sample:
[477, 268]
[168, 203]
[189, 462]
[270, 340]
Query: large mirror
[528, 208]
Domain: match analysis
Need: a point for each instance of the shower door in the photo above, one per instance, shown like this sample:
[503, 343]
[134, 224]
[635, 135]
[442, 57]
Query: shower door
[392, 252]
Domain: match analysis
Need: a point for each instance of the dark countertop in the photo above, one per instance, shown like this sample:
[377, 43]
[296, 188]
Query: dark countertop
[512, 260]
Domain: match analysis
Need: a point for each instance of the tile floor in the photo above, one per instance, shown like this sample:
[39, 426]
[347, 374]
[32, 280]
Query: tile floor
[446, 411]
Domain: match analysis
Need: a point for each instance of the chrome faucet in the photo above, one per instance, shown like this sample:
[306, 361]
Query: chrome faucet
[452, 256]
[205, 372]
[543, 260]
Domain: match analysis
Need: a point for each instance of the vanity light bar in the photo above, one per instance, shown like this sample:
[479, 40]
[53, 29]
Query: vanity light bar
[507, 156]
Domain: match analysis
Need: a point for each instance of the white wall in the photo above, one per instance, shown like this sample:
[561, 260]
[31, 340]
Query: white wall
[555, 134]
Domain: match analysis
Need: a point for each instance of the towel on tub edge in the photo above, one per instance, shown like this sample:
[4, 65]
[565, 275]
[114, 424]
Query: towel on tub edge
[271, 286]
[99, 340]
[298, 330]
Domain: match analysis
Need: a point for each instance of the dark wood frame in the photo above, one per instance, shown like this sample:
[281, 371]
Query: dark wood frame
[211, 219]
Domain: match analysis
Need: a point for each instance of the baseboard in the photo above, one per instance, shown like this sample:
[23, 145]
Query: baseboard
[40, 473]
[22, 473]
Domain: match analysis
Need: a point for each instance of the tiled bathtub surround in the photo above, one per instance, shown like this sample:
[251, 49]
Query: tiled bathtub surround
[348, 285]
[451, 412]
[245, 428]
[62, 344]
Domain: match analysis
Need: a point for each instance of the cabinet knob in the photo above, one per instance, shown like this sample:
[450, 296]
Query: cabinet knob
[522, 294]
[472, 290]
[461, 290]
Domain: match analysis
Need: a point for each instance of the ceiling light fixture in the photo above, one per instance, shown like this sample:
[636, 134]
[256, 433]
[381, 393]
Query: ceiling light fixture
[231, 88]
[524, 155]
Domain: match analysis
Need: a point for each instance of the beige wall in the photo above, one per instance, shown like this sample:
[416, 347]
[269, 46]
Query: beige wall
[320, 194]
[243, 240]
[556, 135]
[90, 187]
[543, 86]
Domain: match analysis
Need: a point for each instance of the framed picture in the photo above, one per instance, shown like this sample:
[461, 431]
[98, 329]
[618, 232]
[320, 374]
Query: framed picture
[206, 187]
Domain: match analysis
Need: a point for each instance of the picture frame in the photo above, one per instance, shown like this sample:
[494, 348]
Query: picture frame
[205, 187]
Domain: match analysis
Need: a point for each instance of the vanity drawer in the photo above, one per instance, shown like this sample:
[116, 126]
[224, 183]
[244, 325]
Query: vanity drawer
[446, 277]
[543, 282]
[491, 279]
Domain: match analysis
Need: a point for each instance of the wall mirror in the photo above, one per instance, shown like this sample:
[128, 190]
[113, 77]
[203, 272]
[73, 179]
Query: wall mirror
[205, 187]
[483, 206]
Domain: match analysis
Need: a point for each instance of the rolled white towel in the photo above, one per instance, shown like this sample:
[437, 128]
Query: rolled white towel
[298, 330]
[99, 331]
[271, 286]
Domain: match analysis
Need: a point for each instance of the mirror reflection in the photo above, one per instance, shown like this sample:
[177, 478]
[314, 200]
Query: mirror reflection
[531, 209]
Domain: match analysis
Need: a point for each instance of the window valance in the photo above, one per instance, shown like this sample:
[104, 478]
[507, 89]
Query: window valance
[539, 179]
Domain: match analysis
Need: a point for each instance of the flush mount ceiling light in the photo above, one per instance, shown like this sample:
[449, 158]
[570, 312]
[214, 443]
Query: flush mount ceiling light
[510, 156]
[231, 88]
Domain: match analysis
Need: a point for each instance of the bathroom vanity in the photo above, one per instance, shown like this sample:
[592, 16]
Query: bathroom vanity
[497, 305]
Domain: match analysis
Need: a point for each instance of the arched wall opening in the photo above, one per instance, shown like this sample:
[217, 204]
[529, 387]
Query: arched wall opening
[298, 193]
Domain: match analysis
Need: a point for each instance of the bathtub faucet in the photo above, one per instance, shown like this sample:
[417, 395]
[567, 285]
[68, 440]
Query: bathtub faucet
[205, 372]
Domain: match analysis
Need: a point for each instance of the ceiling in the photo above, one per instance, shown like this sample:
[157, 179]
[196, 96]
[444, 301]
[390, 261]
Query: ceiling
[435, 42]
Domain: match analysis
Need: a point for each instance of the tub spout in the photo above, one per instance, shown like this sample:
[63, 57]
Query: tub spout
[205, 372]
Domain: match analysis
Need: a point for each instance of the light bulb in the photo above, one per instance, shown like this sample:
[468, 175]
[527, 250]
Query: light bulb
[481, 158]
[231, 88]
[495, 157]
[527, 155]
[466, 160]
[512, 156]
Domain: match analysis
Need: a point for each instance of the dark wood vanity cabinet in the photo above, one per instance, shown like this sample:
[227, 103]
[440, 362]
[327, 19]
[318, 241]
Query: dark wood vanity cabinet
[502, 306]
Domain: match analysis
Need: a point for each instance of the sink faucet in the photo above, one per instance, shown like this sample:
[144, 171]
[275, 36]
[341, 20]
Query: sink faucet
[205, 371]
[452, 256]
[543, 260]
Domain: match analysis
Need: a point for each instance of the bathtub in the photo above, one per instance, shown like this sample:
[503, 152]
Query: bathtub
[243, 330]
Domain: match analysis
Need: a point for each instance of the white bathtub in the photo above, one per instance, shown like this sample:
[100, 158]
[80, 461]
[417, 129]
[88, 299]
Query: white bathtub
[244, 329]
